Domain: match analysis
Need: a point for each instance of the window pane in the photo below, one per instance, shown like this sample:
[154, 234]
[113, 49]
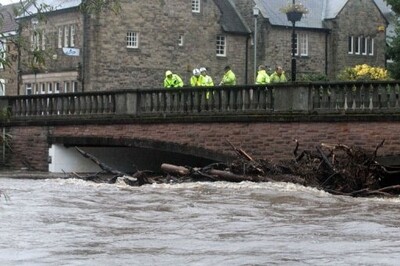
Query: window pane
[2, 87]
[196, 6]
[72, 39]
[50, 87]
[74, 86]
[363, 45]
[60, 37]
[132, 40]
[57, 87]
[370, 46]
[180, 41]
[66, 86]
[42, 88]
[304, 44]
[351, 43]
[28, 89]
[357, 45]
[221, 46]
[43, 35]
[2, 53]
[66, 36]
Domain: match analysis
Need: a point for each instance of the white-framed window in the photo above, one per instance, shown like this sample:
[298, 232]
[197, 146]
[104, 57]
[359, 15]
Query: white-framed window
[60, 37]
[364, 45]
[73, 35]
[357, 45]
[36, 86]
[36, 40]
[196, 6]
[3, 52]
[49, 87]
[221, 45]
[132, 39]
[66, 36]
[74, 86]
[350, 45]
[42, 88]
[370, 47]
[180, 40]
[303, 41]
[66, 86]
[43, 39]
[56, 87]
[361, 45]
[28, 88]
[2, 87]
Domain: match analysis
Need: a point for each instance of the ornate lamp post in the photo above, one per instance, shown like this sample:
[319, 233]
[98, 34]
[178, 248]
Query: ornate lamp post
[294, 13]
[256, 12]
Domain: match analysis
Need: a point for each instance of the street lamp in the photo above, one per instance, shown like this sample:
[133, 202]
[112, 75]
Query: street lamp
[293, 16]
[256, 12]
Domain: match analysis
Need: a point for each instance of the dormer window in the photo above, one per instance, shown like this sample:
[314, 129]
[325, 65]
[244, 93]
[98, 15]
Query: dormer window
[196, 6]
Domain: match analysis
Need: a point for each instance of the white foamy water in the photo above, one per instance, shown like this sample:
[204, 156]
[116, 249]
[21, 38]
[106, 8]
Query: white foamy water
[74, 222]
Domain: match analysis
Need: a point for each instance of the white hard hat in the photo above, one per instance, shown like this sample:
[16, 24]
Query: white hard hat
[196, 72]
[203, 69]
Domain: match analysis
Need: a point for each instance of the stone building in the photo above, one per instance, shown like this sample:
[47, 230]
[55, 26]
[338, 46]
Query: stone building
[147, 38]
[8, 50]
[334, 34]
[55, 37]
[134, 47]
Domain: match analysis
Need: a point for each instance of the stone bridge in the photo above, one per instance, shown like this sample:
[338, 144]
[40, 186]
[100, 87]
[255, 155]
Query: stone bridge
[263, 121]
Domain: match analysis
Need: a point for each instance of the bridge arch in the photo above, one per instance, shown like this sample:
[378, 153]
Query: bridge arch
[139, 153]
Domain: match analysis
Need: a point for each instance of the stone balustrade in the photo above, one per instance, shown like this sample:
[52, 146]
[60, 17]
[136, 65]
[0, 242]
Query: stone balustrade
[306, 98]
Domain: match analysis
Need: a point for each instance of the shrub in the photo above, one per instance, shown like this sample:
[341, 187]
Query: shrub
[312, 77]
[363, 72]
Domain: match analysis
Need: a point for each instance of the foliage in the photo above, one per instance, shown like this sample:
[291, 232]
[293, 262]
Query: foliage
[294, 8]
[393, 52]
[5, 114]
[395, 5]
[5, 139]
[312, 77]
[393, 48]
[363, 72]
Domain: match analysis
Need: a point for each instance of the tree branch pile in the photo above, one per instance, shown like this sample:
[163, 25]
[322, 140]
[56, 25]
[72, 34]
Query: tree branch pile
[338, 169]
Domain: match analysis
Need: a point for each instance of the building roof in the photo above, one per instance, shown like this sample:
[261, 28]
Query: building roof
[319, 10]
[49, 6]
[7, 18]
[231, 20]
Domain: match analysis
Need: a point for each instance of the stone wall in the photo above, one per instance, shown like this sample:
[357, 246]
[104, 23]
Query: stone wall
[278, 50]
[272, 140]
[348, 24]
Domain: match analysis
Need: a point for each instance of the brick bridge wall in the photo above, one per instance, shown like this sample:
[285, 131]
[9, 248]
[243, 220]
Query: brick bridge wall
[267, 140]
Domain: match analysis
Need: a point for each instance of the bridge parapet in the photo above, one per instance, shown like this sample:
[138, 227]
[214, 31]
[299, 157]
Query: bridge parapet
[305, 98]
